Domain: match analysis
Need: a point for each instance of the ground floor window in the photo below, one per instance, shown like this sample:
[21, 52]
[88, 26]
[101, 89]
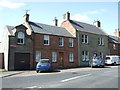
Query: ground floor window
[101, 54]
[71, 57]
[54, 56]
[37, 56]
[85, 56]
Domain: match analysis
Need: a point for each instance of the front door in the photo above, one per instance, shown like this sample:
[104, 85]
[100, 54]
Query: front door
[61, 59]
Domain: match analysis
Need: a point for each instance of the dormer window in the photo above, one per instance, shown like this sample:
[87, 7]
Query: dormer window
[20, 37]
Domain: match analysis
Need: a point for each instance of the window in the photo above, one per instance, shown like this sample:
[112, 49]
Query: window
[85, 39]
[70, 42]
[101, 41]
[46, 40]
[101, 54]
[85, 55]
[61, 41]
[54, 57]
[114, 46]
[21, 37]
[37, 56]
[71, 57]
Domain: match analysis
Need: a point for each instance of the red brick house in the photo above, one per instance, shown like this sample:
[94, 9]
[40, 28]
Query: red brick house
[114, 43]
[31, 41]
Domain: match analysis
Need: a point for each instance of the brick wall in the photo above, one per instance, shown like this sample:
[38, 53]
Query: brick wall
[46, 51]
[114, 51]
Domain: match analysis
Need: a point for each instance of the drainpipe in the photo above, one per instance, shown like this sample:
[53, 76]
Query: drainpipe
[33, 48]
[78, 37]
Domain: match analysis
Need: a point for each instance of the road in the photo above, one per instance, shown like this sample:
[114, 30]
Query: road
[91, 78]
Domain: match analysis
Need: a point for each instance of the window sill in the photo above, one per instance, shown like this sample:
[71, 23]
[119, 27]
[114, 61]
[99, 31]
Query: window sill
[54, 62]
[85, 61]
[20, 44]
[86, 43]
[46, 45]
[60, 46]
[71, 47]
[71, 62]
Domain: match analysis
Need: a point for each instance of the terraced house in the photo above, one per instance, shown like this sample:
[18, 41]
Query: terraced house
[25, 44]
[71, 45]
[92, 40]
[114, 43]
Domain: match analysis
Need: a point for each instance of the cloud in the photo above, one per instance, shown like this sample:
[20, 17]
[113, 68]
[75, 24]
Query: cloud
[96, 11]
[79, 17]
[11, 5]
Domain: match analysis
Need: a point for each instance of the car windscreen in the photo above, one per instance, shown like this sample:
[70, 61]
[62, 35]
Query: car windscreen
[97, 59]
[107, 58]
[45, 61]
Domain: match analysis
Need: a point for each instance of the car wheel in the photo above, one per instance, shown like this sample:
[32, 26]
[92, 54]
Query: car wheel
[91, 66]
[37, 71]
[114, 63]
[102, 66]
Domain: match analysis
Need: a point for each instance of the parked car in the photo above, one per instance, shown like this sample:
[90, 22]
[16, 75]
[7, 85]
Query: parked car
[96, 61]
[112, 59]
[43, 65]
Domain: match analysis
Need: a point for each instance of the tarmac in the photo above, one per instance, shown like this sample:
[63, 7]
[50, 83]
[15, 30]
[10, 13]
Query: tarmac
[33, 72]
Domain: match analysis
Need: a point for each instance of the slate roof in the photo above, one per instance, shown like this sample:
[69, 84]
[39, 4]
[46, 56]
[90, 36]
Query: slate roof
[114, 39]
[10, 28]
[49, 29]
[87, 27]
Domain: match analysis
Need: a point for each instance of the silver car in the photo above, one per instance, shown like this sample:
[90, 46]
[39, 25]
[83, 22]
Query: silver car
[96, 61]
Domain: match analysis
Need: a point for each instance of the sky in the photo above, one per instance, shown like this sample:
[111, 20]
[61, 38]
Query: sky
[11, 13]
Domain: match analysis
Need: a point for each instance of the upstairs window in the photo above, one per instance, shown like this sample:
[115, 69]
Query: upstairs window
[114, 47]
[61, 41]
[46, 40]
[21, 37]
[101, 41]
[71, 42]
[85, 39]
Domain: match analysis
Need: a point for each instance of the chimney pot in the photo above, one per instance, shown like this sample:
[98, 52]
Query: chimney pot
[66, 16]
[26, 17]
[97, 23]
[55, 21]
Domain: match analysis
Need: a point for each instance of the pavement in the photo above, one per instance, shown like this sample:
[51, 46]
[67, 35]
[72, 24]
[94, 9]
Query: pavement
[33, 72]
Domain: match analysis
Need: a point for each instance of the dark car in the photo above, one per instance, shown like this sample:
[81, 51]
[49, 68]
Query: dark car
[97, 61]
[43, 65]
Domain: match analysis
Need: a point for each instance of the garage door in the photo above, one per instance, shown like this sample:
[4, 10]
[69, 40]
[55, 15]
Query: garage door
[22, 61]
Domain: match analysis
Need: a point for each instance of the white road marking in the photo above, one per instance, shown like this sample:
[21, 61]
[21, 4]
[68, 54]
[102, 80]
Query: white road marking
[74, 78]
[34, 87]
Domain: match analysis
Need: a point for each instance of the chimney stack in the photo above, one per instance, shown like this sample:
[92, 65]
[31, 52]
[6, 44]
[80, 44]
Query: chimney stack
[117, 32]
[97, 23]
[26, 17]
[55, 21]
[66, 16]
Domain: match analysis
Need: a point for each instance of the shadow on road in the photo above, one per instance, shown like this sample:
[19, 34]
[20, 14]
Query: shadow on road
[52, 71]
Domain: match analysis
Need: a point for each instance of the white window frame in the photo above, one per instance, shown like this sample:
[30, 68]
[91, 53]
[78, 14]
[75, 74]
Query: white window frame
[101, 41]
[46, 38]
[71, 42]
[21, 37]
[85, 56]
[37, 56]
[54, 56]
[101, 54]
[71, 57]
[85, 39]
[61, 41]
